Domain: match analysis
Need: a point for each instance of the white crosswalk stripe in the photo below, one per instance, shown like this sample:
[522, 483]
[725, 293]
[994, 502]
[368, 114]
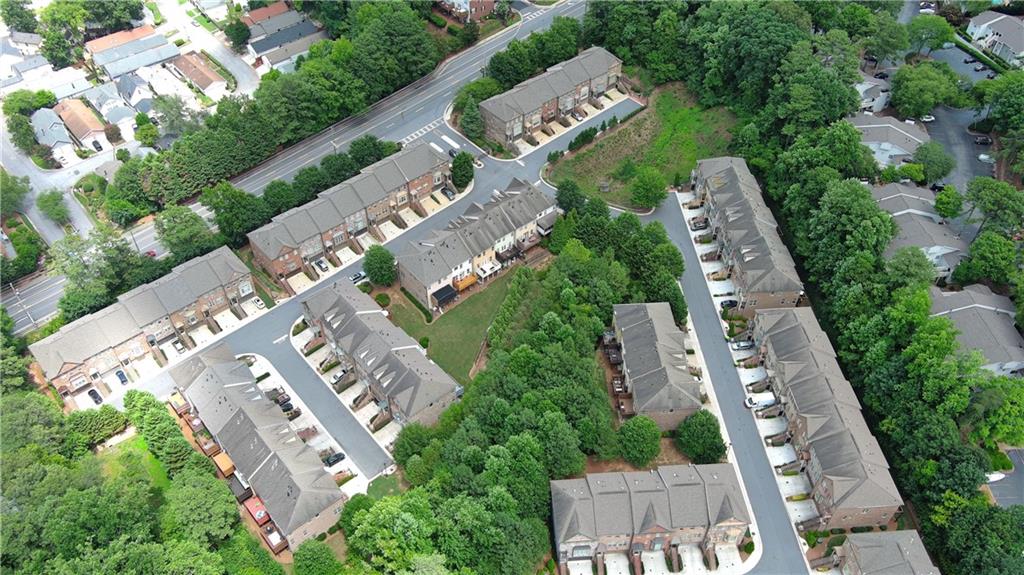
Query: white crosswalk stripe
[421, 131]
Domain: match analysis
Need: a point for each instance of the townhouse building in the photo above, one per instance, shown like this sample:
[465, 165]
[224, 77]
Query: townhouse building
[874, 93]
[657, 380]
[674, 509]
[340, 215]
[274, 467]
[883, 552]
[92, 348]
[1003, 34]
[527, 107]
[850, 481]
[984, 322]
[476, 245]
[393, 370]
[913, 211]
[746, 235]
[891, 141]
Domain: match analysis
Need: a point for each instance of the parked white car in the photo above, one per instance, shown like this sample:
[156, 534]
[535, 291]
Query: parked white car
[986, 159]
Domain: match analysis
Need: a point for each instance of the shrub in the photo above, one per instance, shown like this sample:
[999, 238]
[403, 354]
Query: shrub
[314, 349]
[517, 288]
[555, 156]
[748, 548]
[365, 287]
[122, 155]
[29, 248]
[700, 438]
[862, 529]
[299, 327]
[424, 342]
[329, 366]
[1000, 461]
[453, 31]
[382, 299]
[437, 20]
[429, 317]
[582, 139]
[379, 264]
[639, 440]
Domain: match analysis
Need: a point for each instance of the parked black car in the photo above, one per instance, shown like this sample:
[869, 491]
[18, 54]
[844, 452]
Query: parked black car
[122, 377]
[882, 75]
[728, 303]
[95, 396]
[970, 60]
[937, 187]
[452, 152]
[983, 140]
[334, 458]
[287, 406]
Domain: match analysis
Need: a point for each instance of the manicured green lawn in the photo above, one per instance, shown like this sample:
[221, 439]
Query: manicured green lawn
[135, 449]
[157, 16]
[670, 135]
[455, 336]
[383, 486]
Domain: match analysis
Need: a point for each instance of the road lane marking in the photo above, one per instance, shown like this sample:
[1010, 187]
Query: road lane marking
[439, 149]
[450, 142]
[280, 339]
[520, 162]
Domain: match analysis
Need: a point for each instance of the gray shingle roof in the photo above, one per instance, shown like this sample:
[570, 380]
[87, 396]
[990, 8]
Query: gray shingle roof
[383, 351]
[30, 63]
[629, 503]
[474, 232]
[284, 472]
[289, 229]
[284, 36]
[984, 321]
[888, 553]
[763, 262]
[49, 129]
[558, 80]
[129, 49]
[848, 455]
[889, 131]
[123, 320]
[275, 23]
[300, 46]
[26, 38]
[146, 58]
[106, 99]
[654, 358]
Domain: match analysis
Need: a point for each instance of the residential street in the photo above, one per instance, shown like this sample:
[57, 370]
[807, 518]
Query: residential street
[396, 117]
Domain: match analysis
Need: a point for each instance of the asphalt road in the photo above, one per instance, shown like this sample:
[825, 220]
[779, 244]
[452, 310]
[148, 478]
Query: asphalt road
[1010, 490]
[782, 551]
[397, 117]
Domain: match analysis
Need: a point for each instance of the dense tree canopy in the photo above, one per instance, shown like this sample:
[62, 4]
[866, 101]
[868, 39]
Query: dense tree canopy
[700, 438]
[918, 89]
[379, 265]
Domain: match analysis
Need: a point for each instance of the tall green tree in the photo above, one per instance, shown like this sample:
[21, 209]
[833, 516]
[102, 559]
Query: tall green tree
[949, 203]
[15, 190]
[236, 213]
[639, 440]
[918, 89]
[238, 33]
[1001, 204]
[929, 31]
[699, 437]
[560, 443]
[200, 508]
[379, 264]
[648, 188]
[992, 258]
[462, 170]
[936, 162]
[471, 123]
[183, 232]
[316, 558]
[18, 15]
[847, 220]
[889, 38]
[53, 206]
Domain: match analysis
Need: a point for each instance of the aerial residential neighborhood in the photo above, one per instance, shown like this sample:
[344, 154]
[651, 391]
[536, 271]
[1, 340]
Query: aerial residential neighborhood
[512, 287]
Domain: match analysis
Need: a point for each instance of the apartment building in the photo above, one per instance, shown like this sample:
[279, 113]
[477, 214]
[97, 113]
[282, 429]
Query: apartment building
[883, 552]
[92, 348]
[746, 233]
[984, 322]
[293, 240]
[890, 140]
[849, 475]
[392, 368]
[657, 380]
[674, 509]
[271, 463]
[527, 107]
[913, 211]
[1003, 34]
[476, 245]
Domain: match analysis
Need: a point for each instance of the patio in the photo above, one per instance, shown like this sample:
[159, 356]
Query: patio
[226, 320]
[616, 564]
[299, 282]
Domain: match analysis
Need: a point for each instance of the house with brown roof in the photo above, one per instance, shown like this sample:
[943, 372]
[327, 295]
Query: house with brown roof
[103, 43]
[657, 379]
[340, 216]
[850, 481]
[194, 69]
[527, 107]
[84, 125]
[890, 140]
[392, 370]
[261, 14]
[144, 323]
[675, 510]
[883, 553]
[745, 231]
[476, 245]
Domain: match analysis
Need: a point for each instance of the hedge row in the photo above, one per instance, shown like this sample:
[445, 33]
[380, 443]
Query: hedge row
[517, 289]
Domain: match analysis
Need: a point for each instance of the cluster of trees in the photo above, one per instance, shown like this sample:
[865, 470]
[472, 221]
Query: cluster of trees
[53, 206]
[13, 362]
[936, 408]
[18, 107]
[917, 89]
[28, 246]
[66, 23]
[385, 47]
[522, 59]
[69, 512]
[99, 268]
[652, 261]
[1002, 97]
[379, 264]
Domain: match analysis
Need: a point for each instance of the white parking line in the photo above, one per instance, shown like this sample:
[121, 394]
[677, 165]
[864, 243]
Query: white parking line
[520, 162]
[439, 149]
[450, 142]
[280, 339]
